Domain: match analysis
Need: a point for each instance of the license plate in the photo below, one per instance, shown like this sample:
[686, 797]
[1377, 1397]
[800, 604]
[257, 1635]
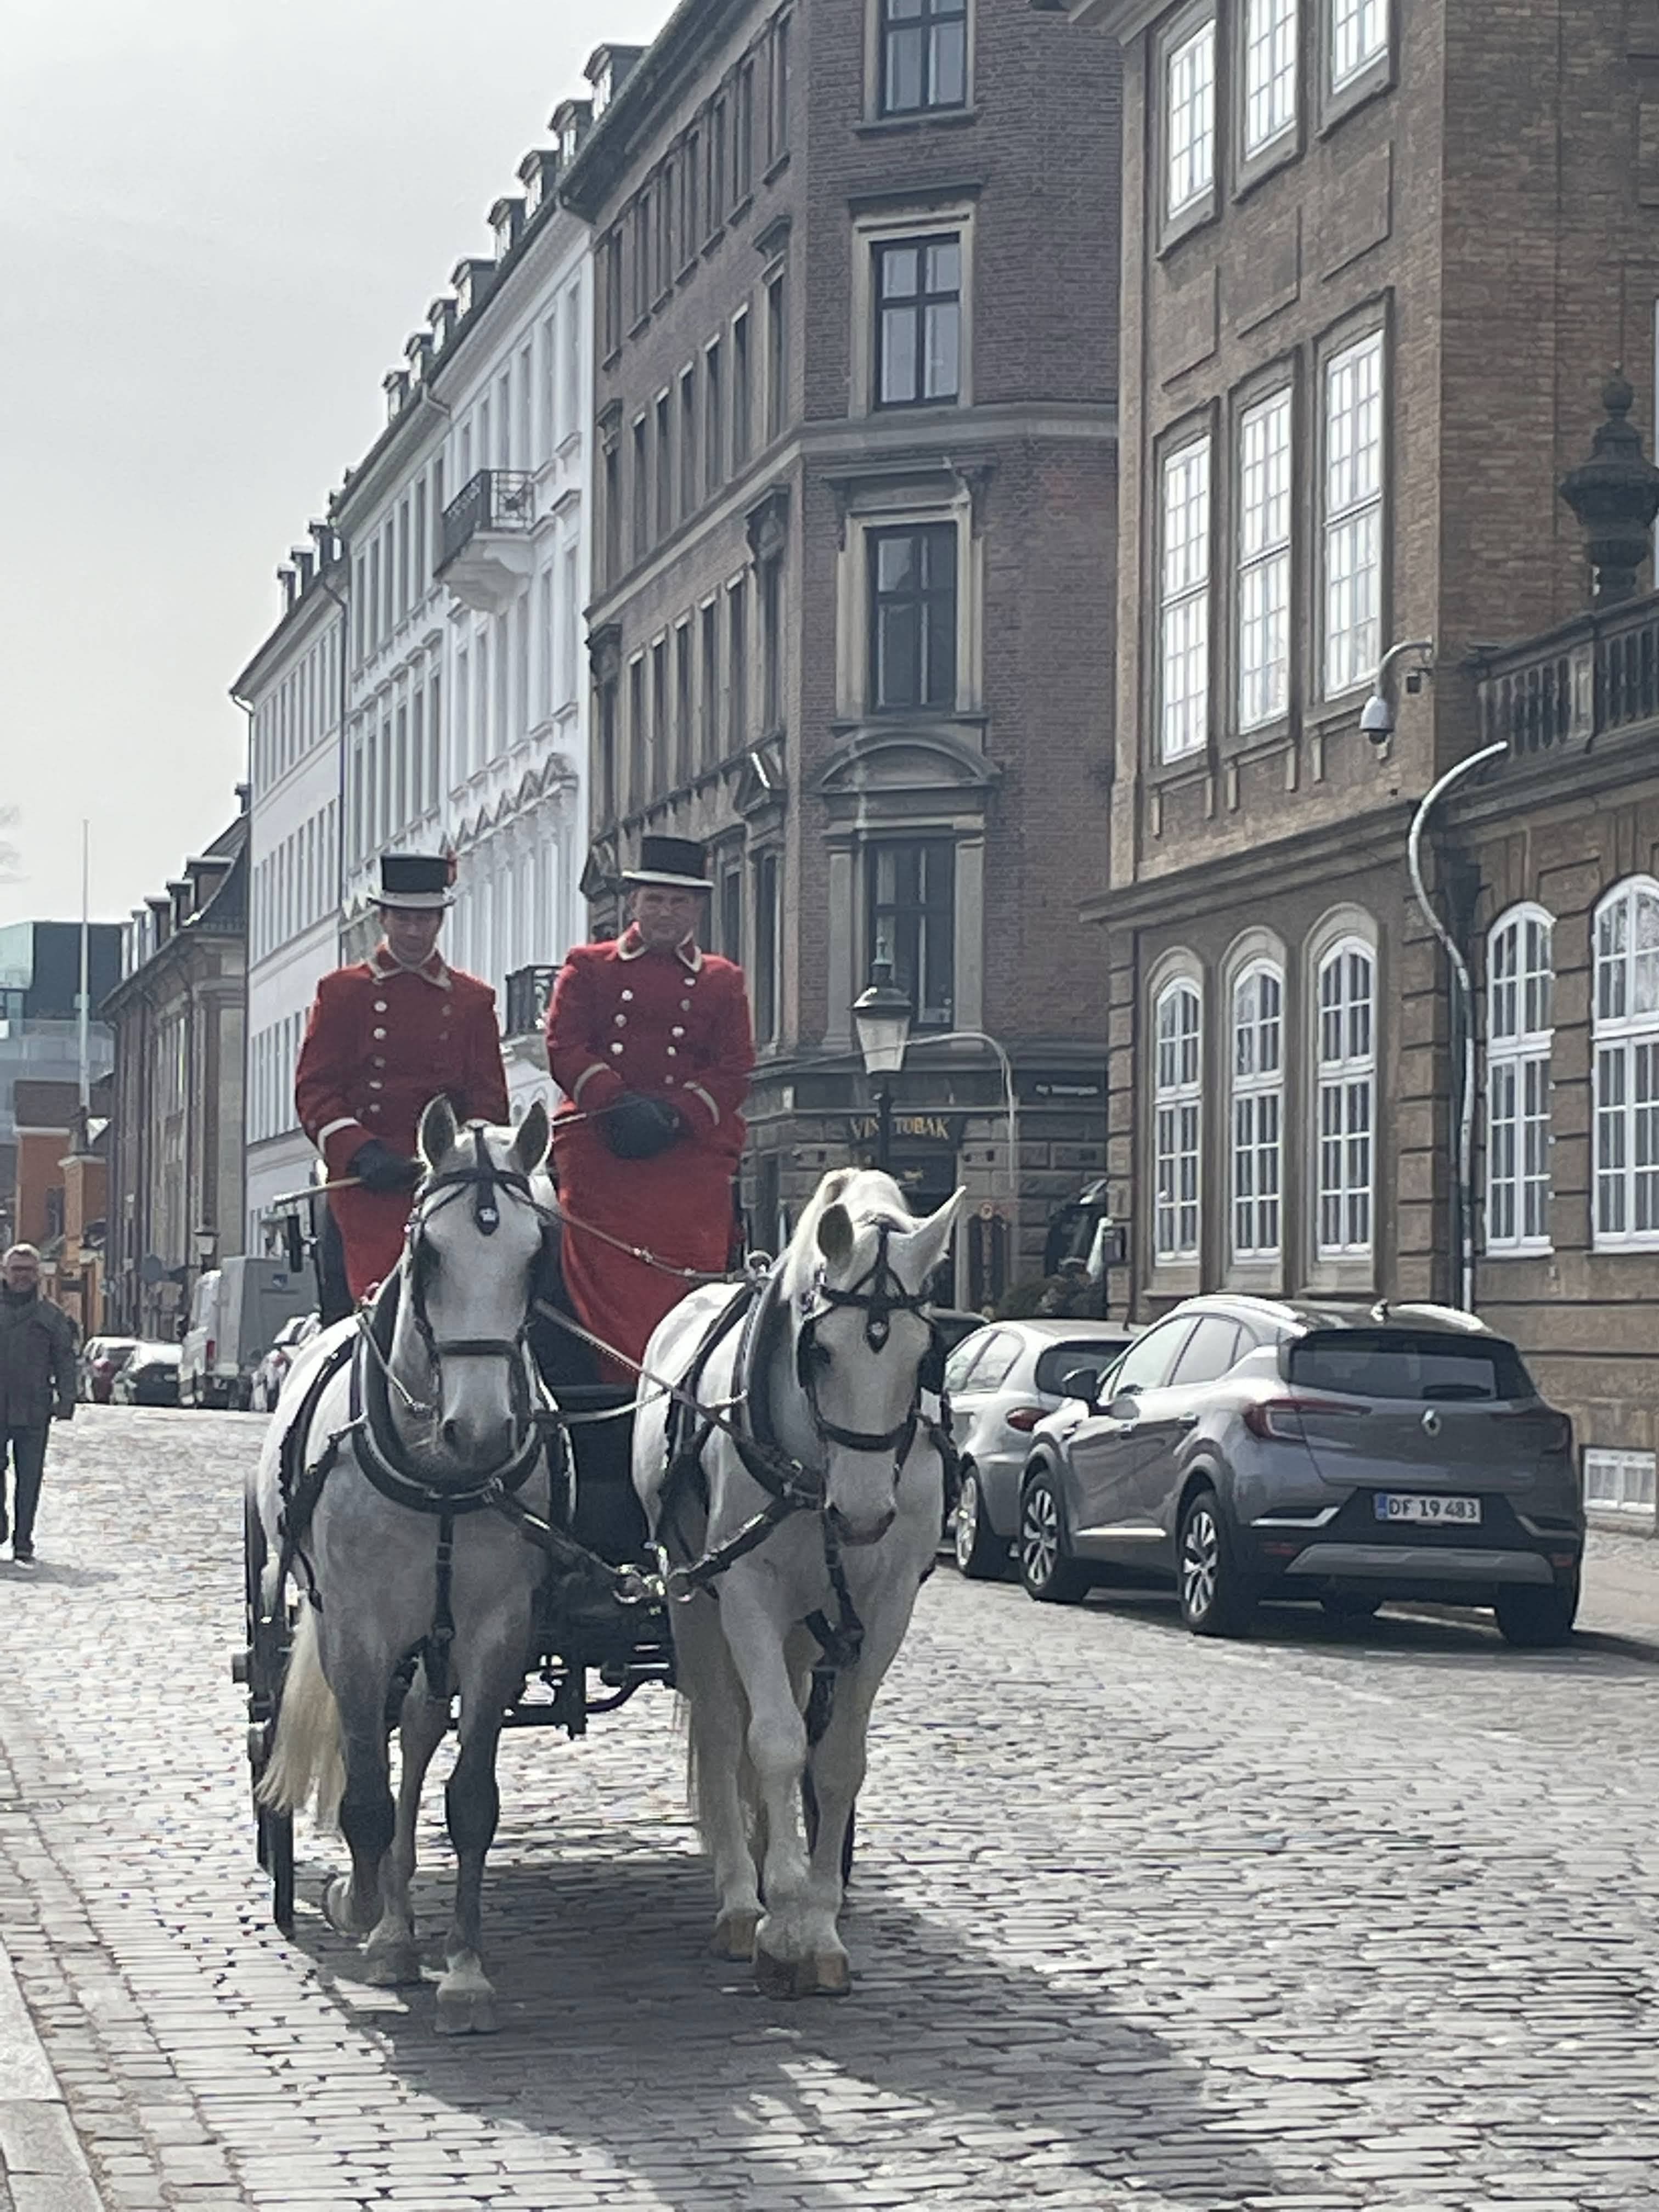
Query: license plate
[1405, 1506]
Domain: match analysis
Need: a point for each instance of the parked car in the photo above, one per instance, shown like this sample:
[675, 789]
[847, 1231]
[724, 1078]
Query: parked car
[271, 1372]
[235, 1312]
[148, 1377]
[102, 1358]
[1255, 1449]
[1002, 1380]
[953, 1324]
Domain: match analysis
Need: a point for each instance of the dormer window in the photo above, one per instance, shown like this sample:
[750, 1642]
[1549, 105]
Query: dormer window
[604, 84]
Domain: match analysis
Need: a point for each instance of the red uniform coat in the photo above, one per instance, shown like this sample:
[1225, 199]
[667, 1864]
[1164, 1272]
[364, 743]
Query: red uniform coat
[382, 1042]
[671, 1025]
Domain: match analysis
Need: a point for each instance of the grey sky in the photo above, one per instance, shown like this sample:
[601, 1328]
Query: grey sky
[219, 222]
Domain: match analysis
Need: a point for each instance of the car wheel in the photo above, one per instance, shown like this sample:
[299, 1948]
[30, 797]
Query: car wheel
[1349, 1605]
[980, 1554]
[1048, 1574]
[1215, 1600]
[1533, 1619]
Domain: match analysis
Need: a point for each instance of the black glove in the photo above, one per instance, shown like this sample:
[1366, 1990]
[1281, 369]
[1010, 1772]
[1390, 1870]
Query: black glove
[64, 1411]
[638, 1128]
[377, 1167]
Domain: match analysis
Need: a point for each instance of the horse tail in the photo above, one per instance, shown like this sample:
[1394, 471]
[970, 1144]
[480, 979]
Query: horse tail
[306, 1760]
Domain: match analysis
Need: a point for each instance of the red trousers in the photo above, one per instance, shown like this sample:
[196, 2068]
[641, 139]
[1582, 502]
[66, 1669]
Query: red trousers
[371, 1225]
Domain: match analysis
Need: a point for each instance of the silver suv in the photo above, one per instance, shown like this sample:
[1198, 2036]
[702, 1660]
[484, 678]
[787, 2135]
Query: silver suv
[1255, 1449]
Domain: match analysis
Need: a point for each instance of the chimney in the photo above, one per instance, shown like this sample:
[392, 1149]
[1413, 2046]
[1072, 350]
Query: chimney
[244, 796]
[570, 123]
[471, 279]
[505, 221]
[290, 584]
[178, 895]
[441, 316]
[539, 172]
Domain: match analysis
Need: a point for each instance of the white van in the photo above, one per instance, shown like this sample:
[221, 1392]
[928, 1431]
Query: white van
[235, 1317]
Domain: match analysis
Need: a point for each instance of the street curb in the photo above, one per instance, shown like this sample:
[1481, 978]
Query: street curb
[43, 2168]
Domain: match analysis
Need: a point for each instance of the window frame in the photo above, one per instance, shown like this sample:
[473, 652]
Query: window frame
[1255, 1087]
[1510, 1052]
[1192, 438]
[1626, 1035]
[1340, 1076]
[917, 918]
[1340, 348]
[876, 533]
[1256, 158]
[1179, 1096]
[916, 311]
[930, 16]
[1177, 220]
[1247, 564]
[1375, 74]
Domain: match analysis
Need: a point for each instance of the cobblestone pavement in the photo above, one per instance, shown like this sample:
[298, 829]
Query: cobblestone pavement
[1320, 1920]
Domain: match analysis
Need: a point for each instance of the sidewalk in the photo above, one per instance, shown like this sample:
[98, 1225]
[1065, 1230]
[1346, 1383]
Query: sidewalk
[42, 2168]
[1621, 1587]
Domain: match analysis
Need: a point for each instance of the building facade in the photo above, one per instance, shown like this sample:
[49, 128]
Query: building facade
[175, 1141]
[39, 1024]
[467, 536]
[1382, 256]
[852, 620]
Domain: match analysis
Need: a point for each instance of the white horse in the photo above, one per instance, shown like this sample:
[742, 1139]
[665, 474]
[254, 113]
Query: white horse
[832, 1388]
[449, 1401]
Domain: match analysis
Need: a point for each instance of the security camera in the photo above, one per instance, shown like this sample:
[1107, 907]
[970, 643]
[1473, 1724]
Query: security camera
[1377, 719]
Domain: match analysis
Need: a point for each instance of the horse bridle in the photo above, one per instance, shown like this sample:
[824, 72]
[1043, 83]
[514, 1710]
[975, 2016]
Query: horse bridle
[486, 1180]
[879, 1294]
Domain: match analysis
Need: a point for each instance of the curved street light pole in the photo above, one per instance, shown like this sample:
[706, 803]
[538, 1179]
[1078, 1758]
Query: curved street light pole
[1463, 1157]
[1010, 1101]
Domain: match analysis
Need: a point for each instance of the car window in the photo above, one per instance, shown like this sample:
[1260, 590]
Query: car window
[1398, 1363]
[1209, 1351]
[960, 1364]
[1145, 1365]
[1059, 1360]
[996, 1363]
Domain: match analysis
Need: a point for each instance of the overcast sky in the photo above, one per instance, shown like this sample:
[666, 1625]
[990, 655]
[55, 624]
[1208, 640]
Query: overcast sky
[219, 222]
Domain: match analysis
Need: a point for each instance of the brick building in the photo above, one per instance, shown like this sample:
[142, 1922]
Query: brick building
[853, 610]
[1383, 256]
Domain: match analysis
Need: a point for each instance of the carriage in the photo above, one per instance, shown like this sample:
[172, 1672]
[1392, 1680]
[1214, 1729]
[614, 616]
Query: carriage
[567, 1556]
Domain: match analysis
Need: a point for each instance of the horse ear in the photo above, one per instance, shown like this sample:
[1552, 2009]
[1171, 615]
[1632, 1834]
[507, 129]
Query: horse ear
[927, 1242]
[835, 1234]
[438, 1133]
[530, 1139]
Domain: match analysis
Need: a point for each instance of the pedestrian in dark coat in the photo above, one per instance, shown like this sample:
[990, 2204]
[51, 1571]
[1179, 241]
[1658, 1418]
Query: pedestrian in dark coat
[37, 1386]
[386, 1036]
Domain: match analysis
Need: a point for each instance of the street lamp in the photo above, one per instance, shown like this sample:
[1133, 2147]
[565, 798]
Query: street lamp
[206, 1238]
[882, 1016]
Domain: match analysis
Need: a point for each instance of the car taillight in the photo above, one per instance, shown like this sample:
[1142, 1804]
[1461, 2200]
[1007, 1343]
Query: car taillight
[1025, 1418]
[1279, 1421]
[1554, 1430]
[210, 1352]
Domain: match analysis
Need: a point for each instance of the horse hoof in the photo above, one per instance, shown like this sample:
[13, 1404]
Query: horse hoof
[337, 1907]
[734, 1935]
[467, 2012]
[393, 1968]
[831, 1973]
[776, 1978]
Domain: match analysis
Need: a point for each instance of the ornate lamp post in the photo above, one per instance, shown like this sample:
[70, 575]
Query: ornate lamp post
[1615, 496]
[882, 1016]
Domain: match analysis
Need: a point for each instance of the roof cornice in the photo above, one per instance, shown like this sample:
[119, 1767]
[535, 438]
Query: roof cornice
[1123, 19]
[654, 80]
[279, 641]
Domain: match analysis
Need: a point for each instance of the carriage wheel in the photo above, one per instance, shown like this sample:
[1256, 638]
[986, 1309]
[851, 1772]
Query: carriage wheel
[262, 1668]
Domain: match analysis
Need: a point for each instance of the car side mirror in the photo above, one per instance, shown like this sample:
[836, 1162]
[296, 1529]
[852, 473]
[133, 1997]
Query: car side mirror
[1125, 1406]
[1081, 1382]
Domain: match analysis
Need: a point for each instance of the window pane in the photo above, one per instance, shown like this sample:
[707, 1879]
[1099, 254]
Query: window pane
[1264, 577]
[1353, 530]
[1269, 71]
[1186, 611]
[1359, 33]
[1190, 108]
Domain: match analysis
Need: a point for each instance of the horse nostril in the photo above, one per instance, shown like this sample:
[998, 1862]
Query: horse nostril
[451, 1434]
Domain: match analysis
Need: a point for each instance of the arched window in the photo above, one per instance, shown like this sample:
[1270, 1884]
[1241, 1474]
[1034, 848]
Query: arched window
[1519, 977]
[1176, 1030]
[1257, 1103]
[1346, 1099]
[1626, 1037]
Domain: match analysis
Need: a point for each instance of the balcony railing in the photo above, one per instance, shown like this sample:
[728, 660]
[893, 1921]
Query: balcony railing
[494, 499]
[1584, 681]
[529, 994]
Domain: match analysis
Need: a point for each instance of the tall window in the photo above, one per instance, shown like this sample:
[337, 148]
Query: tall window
[913, 618]
[1353, 514]
[737, 665]
[689, 484]
[765, 980]
[1258, 1111]
[924, 55]
[636, 732]
[919, 322]
[1359, 33]
[771, 616]
[1518, 1039]
[1270, 29]
[910, 921]
[1346, 1099]
[664, 467]
[713, 423]
[641, 492]
[1185, 608]
[1264, 561]
[709, 661]
[661, 754]
[1176, 1111]
[777, 103]
[777, 358]
[743, 400]
[731, 910]
[1626, 1040]
[1190, 105]
[683, 703]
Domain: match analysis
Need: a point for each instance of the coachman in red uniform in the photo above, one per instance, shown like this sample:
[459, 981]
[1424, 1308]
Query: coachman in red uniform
[648, 1036]
[385, 1037]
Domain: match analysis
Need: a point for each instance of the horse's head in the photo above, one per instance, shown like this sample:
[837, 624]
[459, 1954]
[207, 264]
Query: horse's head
[858, 1275]
[475, 1247]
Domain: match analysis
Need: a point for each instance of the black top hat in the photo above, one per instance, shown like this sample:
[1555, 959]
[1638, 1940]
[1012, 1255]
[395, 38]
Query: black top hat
[418, 881]
[680, 863]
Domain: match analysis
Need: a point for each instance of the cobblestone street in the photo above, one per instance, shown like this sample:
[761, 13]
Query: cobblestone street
[1325, 1919]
